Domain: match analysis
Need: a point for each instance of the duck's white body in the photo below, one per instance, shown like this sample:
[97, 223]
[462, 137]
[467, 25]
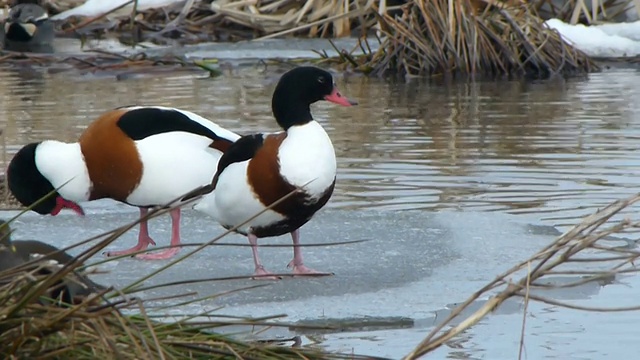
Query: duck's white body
[307, 160]
[174, 163]
[233, 201]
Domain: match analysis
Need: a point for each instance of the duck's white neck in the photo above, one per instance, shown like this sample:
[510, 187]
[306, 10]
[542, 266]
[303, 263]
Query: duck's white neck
[305, 129]
[63, 165]
[307, 158]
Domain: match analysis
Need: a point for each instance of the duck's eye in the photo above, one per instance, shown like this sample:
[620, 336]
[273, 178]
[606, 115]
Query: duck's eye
[321, 80]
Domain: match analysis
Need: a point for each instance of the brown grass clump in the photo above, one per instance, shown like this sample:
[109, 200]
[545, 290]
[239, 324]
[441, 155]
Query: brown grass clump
[480, 37]
[322, 18]
[223, 20]
[227, 20]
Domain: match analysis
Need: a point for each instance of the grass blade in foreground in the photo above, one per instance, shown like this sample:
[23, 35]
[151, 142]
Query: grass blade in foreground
[566, 249]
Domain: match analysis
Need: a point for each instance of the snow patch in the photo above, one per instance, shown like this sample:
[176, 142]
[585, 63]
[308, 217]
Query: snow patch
[608, 40]
[98, 7]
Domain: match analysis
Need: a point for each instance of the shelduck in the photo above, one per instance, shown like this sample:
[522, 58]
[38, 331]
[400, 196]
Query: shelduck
[257, 170]
[28, 29]
[144, 156]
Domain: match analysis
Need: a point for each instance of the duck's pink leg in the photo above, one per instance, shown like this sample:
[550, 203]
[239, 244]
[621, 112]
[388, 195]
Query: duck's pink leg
[143, 238]
[298, 267]
[261, 273]
[175, 240]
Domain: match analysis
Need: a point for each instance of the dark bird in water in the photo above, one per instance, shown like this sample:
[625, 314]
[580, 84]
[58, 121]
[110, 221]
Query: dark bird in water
[13, 253]
[28, 29]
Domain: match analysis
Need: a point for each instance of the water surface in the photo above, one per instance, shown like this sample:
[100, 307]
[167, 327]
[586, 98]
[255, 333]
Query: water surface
[555, 148]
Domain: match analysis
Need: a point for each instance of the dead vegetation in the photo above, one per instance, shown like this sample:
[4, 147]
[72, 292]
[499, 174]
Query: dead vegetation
[442, 37]
[584, 252]
[324, 18]
[217, 20]
[446, 37]
[224, 20]
[228, 20]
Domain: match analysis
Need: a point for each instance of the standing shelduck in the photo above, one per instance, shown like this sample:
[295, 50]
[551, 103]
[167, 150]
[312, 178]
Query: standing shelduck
[141, 156]
[260, 169]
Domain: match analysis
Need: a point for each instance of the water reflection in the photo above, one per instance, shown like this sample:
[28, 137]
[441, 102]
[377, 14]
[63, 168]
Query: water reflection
[553, 147]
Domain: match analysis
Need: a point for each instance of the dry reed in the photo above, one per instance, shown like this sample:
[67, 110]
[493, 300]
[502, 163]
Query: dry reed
[209, 20]
[580, 246]
[474, 37]
[471, 37]
[312, 18]
[224, 20]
